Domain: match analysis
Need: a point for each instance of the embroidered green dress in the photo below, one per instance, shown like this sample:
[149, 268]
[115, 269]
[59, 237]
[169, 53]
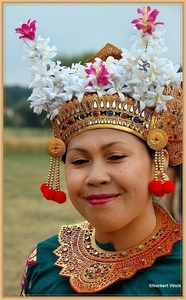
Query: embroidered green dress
[86, 267]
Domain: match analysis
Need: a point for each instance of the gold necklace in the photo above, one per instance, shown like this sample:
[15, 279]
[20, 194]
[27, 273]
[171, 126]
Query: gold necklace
[92, 269]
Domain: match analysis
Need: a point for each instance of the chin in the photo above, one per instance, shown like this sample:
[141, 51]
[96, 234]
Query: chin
[106, 225]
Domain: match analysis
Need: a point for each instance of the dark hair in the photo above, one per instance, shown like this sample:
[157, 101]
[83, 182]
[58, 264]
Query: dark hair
[150, 151]
[63, 158]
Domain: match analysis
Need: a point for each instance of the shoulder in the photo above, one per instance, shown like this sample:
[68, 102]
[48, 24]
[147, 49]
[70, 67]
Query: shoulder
[47, 245]
[39, 253]
[45, 248]
[177, 249]
[175, 256]
[169, 267]
[40, 268]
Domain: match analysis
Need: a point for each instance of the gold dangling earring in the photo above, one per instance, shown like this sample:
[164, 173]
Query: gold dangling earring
[56, 149]
[161, 184]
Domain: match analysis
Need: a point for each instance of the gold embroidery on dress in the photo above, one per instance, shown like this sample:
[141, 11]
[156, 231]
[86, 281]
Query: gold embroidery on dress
[92, 269]
[30, 260]
[32, 256]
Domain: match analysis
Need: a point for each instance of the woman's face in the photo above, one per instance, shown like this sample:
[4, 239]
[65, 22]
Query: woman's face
[107, 173]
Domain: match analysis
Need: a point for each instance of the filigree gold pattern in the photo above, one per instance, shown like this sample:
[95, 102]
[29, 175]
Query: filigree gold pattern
[92, 269]
[157, 139]
[105, 52]
[55, 148]
[109, 111]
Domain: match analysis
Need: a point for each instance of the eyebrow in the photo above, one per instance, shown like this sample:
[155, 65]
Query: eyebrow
[103, 147]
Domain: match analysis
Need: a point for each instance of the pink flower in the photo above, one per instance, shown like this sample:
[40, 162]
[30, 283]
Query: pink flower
[27, 31]
[147, 21]
[99, 71]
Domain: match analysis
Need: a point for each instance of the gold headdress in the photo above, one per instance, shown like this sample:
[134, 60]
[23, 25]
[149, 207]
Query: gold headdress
[136, 92]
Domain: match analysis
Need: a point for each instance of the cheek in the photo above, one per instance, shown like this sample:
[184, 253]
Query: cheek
[137, 173]
[74, 185]
[73, 181]
[69, 178]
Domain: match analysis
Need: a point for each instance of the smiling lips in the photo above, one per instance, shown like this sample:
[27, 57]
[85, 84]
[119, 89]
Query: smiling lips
[101, 198]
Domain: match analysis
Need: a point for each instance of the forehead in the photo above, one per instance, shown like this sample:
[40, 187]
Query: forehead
[103, 136]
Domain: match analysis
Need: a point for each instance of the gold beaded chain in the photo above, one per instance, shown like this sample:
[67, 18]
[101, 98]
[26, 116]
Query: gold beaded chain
[159, 166]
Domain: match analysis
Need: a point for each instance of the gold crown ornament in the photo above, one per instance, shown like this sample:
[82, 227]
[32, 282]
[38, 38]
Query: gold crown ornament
[138, 92]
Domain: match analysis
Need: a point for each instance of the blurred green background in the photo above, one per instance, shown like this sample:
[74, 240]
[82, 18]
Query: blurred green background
[28, 217]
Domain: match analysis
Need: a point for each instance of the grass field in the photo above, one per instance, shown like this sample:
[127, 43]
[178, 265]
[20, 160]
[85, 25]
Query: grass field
[28, 217]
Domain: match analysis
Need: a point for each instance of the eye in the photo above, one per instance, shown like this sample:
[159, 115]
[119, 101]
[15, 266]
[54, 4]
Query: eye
[79, 162]
[116, 157]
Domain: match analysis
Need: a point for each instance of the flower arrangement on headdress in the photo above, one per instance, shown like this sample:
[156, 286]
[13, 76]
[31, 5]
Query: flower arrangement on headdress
[140, 73]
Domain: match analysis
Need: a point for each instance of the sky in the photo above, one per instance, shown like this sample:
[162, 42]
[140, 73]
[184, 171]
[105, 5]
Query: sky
[78, 28]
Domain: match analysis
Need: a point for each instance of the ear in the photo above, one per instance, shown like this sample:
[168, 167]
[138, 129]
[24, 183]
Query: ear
[166, 159]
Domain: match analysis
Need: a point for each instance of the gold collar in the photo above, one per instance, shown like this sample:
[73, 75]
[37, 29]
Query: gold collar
[92, 269]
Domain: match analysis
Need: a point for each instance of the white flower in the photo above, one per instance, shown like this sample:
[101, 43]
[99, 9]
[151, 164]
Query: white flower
[38, 51]
[119, 89]
[155, 98]
[38, 101]
[139, 94]
[80, 70]
[40, 76]
[44, 51]
[53, 92]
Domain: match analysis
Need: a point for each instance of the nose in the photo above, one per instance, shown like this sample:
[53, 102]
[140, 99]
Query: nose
[98, 174]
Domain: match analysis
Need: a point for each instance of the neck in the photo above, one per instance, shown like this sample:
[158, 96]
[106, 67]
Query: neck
[131, 234]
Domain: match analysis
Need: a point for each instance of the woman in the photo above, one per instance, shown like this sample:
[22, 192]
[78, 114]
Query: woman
[118, 126]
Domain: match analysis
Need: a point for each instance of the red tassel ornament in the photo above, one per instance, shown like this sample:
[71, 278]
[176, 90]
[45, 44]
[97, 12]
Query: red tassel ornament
[48, 192]
[51, 194]
[168, 187]
[159, 194]
[60, 197]
[155, 186]
[43, 187]
[159, 188]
